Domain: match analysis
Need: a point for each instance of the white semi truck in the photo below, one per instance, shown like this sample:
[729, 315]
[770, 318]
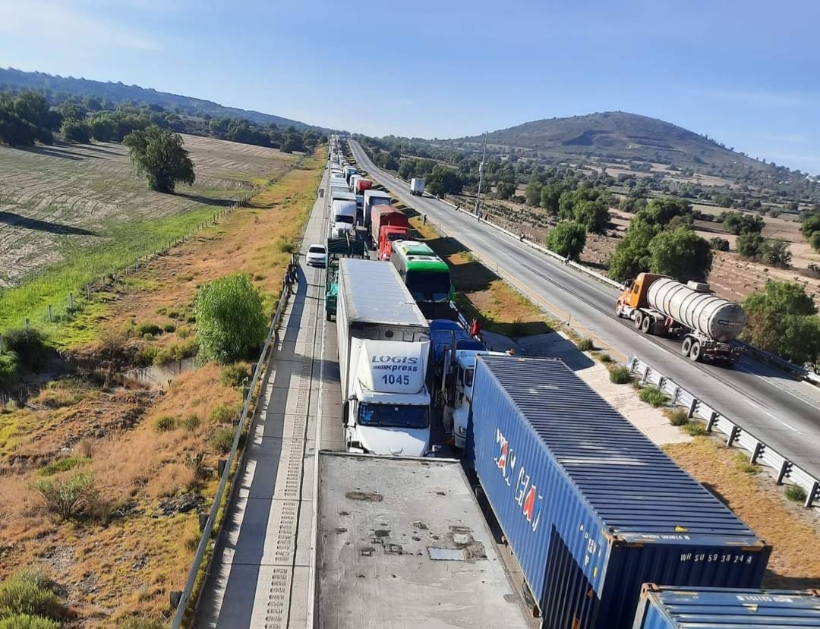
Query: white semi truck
[384, 347]
[417, 186]
[402, 542]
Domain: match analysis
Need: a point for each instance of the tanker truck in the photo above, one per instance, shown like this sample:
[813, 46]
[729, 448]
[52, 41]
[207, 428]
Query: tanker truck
[706, 323]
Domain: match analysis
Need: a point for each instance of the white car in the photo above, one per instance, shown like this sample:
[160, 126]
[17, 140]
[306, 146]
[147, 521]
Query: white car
[316, 255]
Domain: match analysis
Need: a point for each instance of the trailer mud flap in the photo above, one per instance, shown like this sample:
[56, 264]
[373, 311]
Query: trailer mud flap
[569, 600]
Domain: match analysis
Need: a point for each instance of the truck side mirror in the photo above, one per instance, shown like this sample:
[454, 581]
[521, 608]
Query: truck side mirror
[345, 411]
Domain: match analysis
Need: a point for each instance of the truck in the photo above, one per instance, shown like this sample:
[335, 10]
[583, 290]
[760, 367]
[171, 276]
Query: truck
[349, 171]
[363, 184]
[347, 246]
[591, 508]
[342, 217]
[389, 234]
[373, 198]
[382, 215]
[402, 542]
[417, 186]
[384, 347]
[706, 324]
[708, 608]
[426, 275]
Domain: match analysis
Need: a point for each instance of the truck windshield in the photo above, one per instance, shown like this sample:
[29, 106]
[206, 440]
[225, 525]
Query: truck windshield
[339, 218]
[397, 236]
[393, 416]
[428, 285]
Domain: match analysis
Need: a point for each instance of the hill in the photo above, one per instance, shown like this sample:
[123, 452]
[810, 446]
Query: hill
[121, 93]
[615, 135]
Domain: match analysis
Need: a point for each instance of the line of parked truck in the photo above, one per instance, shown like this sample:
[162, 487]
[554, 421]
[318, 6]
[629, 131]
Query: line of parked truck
[608, 532]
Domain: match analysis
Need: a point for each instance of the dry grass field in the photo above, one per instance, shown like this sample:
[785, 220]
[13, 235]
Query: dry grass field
[71, 213]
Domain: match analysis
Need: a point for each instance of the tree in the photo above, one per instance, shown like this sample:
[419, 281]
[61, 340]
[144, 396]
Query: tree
[551, 196]
[719, 244]
[814, 241]
[444, 180]
[230, 319]
[740, 223]
[504, 190]
[782, 319]
[776, 253]
[567, 239]
[632, 256]
[750, 245]
[292, 142]
[680, 253]
[533, 193]
[662, 210]
[158, 154]
[593, 215]
[811, 230]
[75, 131]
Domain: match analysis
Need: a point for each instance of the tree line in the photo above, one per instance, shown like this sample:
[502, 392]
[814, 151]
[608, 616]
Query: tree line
[29, 117]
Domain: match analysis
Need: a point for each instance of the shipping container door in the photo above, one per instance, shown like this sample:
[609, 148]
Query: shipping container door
[570, 601]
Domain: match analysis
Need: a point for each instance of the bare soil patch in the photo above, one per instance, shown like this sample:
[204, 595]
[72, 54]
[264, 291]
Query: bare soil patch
[790, 529]
[152, 454]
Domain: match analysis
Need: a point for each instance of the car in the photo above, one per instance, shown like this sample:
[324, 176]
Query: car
[316, 255]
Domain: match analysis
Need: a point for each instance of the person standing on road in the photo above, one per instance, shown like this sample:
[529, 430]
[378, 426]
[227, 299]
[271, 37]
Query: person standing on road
[424, 219]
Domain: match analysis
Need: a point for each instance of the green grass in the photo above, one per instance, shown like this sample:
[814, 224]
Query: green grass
[585, 345]
[696, 429]
[619, 375]
[653, 396]
[124, 242]
[678, 417]
[795, 493]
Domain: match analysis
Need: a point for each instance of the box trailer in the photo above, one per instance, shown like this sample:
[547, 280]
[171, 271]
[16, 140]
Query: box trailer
[718, 608]
[373, 198]
[402, 542]
[591, 508]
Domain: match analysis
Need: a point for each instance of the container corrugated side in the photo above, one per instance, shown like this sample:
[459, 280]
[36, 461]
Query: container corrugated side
[591, 508]
[717, 608]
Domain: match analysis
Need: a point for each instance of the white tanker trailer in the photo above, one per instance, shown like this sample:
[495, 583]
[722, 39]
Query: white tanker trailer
[706, 323]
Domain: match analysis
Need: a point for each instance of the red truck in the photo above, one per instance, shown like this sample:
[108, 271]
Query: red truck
[382, 215]
[387, 235]
[362, 185]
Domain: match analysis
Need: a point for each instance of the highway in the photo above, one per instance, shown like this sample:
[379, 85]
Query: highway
[777, 409]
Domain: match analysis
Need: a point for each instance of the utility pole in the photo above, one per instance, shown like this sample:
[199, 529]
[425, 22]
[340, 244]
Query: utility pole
[480, 174]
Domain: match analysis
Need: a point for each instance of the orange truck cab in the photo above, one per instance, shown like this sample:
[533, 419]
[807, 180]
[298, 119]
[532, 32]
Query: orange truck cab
[387, 235]
[634, 296]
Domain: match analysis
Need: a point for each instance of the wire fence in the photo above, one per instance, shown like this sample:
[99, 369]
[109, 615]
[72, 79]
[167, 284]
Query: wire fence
[736, 435]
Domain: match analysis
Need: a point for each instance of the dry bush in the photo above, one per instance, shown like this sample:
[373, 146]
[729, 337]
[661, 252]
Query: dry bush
[68, 497]
[170, 480]
[85, 448]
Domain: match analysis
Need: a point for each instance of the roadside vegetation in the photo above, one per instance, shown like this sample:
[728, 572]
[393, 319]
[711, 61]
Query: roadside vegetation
[103, 475]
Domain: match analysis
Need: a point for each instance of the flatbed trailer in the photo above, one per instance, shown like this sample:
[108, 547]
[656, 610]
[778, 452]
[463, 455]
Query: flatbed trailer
[402, 542]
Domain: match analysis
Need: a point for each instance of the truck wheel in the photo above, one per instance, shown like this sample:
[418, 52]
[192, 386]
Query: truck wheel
[327, 315]
[686, 347]
[646, 325]
[638, 320]
[618, 312]
[695, 352]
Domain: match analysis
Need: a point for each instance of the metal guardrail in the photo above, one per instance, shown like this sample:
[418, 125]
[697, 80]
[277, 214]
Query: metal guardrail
[737, 436]
[227, 480]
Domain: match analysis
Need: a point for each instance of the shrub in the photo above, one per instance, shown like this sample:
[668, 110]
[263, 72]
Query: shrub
[147, 328]
[176, 352]
[653, 396]
[9, 366]
[795, 493]
[234, 375]
[26, 621]
[70, 497]
[567, 239]
[605, 358]
[745, 466]
[146, 356]
[196, 462]
[174, 314]
[222, 439]
[696, 429]
[719, 244]
[232, 321]
[678, 417]
[28, 344]
[284, 245]
[191, 423]
[585, 345]
[225, 413]
[166, 423]
[183, 333]
[169, 327]
[619, 375]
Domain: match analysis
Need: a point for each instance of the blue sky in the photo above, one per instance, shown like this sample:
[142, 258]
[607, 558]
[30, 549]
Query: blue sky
[744, 72]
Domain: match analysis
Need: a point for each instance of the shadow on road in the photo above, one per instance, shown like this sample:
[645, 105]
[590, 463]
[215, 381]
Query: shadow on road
[15, 220]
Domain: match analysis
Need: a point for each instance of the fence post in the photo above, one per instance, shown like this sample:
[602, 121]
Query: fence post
[785, 470]
[713, 418]
[50, 317]
[675, 395]
[88, 291]
[734, 433]
[759, 447]
[661, 381]
[692, 408]
[811, 494]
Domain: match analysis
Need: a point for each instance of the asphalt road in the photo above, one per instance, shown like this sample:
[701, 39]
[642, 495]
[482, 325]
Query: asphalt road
[782, 412]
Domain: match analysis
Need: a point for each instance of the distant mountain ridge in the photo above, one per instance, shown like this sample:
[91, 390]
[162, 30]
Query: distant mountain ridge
[615, 134]
[120, 93]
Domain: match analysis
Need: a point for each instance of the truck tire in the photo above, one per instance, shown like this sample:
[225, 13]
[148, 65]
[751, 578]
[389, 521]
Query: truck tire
[618, 312]
[327, 315]
[686, 347]
[695, 352]
[638, 320]
[646, 325]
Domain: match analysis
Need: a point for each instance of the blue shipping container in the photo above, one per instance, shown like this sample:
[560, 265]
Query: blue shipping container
[591, 508]
[713, 608]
